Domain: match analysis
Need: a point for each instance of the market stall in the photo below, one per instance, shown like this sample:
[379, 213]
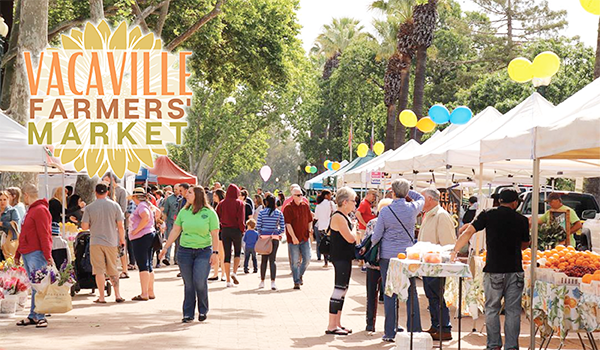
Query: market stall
[168, 173]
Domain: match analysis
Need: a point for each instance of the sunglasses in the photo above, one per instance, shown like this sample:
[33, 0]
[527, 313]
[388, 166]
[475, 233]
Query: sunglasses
[297, 195]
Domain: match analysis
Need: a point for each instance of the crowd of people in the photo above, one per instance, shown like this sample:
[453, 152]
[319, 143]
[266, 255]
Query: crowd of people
[200, 229]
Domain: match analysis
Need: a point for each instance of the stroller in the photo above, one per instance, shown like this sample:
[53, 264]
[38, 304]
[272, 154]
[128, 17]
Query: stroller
[83, 266]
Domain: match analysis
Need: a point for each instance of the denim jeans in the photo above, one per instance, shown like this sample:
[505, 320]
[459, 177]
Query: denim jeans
[432, 291]
[389, 306]
[510, 287]
[33, 262]
[167, 234]
[250, 253]
[299, 267]
[194, 265]
[373, 287]
[318, 237]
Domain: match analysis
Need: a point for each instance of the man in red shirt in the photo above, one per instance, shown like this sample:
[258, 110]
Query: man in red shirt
[364, 214]
[298, 223]
[35, 245]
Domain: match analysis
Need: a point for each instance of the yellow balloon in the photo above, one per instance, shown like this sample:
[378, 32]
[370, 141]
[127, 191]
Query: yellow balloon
[362, 150]
[591, 6]
[307, 169]
[546, 65]
[426, 124]
[378, 147]
[520, 70]
[408, 118]
[336, 166]
[326, 163]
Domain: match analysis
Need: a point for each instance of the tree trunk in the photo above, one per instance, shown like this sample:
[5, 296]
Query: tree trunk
[9, 67]
[390, 128]
[597, 66]
[85, 188]
[96, 11]
[509, 27]
[402, 105]
[33, 34]
[419, 89]
[164, 10]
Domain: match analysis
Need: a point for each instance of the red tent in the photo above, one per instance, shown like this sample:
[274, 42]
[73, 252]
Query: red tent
[169, 173]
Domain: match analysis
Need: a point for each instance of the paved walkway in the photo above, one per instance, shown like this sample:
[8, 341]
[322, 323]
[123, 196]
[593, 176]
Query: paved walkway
[239, 318]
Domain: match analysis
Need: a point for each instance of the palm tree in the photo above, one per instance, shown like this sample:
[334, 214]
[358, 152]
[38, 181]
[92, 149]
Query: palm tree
[334, 39]
[397, 46]
[425, 17]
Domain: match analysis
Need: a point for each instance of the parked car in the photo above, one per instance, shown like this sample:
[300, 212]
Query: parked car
[585, 206]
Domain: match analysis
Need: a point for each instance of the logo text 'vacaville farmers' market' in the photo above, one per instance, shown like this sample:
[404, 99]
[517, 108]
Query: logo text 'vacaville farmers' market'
[107, 99]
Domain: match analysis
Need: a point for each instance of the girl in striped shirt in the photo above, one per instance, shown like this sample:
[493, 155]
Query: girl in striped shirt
[270, 223]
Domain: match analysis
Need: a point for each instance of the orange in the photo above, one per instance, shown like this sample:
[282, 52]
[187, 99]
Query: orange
[597, 272]
[401, 256]
[560, 247]
[587, 278]
[596, 277]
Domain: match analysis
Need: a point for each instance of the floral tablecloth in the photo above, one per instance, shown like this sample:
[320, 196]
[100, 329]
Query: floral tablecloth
[562, 308]
[473, 292]
[400, 271]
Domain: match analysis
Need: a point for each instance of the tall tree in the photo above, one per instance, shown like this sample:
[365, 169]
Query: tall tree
[520, 21]
[397, 76]
[425, 17]
[597, 65]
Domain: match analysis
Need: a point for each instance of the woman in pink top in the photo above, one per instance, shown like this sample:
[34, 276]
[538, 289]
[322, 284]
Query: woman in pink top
[141, 235]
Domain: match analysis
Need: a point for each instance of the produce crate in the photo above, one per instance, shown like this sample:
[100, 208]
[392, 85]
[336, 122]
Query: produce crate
[545, 275]
[590, 288]
[562, 279]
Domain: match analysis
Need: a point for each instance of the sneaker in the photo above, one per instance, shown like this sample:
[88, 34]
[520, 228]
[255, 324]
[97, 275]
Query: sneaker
[389, 340]
[296, 286]
[255, 271]
[234, 278]
[261, 285]
[246, 271]
[273, 286]
[202, 317]
[166, 262]
[230, 285]
[301, 281]
[370, 329]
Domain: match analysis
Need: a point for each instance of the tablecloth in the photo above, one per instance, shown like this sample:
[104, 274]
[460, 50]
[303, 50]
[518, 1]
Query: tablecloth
[400, 271]
[473, 291]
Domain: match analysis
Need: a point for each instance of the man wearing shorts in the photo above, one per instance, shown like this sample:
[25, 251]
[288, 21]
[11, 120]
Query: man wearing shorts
[104, 219]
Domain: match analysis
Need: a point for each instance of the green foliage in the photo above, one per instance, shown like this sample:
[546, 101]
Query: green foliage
[352, 95]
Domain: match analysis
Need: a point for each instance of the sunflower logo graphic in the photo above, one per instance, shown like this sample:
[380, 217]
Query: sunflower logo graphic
[108, 99]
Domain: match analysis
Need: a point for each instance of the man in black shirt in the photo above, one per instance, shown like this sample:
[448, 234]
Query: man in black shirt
[507, 233]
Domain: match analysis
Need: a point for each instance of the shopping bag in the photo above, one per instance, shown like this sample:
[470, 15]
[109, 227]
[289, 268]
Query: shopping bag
[54, 300]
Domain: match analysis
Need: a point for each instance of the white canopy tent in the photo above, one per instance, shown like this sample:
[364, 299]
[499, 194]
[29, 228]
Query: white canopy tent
[570, 136]
[18, 155]
[359, 174]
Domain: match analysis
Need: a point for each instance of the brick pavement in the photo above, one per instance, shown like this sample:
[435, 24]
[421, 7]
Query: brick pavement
[239, 318]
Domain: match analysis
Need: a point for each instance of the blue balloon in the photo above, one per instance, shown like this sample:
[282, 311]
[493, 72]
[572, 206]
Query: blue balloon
[439, 114]
[461, 115]
[330, 165]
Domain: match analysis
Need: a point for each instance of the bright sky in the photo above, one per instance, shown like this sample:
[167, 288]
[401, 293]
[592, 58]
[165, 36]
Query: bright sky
[313, 14]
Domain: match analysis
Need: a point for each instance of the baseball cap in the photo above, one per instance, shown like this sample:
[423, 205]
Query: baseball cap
[509, 196]
[553, 196]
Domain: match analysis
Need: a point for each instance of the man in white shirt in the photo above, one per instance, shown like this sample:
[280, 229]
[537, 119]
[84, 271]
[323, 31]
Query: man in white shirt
[437, 228]
[323, 211]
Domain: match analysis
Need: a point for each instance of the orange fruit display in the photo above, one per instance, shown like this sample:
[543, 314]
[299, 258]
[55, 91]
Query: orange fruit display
[587, 278]
[567, 259]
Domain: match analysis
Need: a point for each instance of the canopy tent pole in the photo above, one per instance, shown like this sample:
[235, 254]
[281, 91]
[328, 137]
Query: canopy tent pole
[46, 177]
[534, 239]
[447, 176]
[65, 202]
[480, 183]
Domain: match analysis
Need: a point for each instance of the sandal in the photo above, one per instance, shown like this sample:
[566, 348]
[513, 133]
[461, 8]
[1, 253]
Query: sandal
[119, 300]
[41, 323]
[152, 297]
[337, 331]
[26, 322]
[346, 329]
[139, 298]
[98, 301]
[123, 275]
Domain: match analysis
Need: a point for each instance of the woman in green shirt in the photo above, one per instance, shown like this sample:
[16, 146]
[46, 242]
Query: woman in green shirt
[198, 225]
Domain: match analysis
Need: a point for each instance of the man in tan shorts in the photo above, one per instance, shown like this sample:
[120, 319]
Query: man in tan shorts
[104, 219]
